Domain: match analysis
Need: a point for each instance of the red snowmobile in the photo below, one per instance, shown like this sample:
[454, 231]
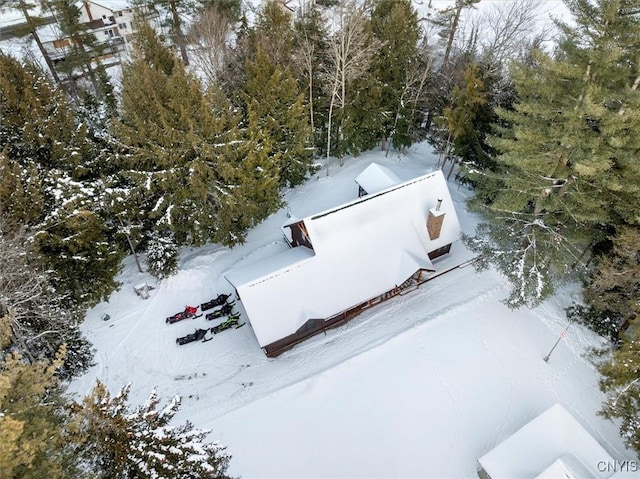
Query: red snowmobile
[189, 312]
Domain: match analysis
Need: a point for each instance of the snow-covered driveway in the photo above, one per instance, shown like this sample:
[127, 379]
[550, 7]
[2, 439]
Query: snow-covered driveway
[419, 386]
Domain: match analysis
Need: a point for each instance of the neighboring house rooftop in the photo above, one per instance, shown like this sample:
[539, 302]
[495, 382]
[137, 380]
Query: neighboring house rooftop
[49, 33]
[113, 5]
[354, 253]
[553, 445]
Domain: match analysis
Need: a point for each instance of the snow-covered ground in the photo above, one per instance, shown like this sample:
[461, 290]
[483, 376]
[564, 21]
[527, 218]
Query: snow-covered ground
[419, 386]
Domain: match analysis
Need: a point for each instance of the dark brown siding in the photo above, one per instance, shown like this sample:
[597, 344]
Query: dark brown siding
[316, 325]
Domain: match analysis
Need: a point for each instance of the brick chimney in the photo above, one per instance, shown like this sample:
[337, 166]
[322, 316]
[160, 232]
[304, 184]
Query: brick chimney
[435, 220]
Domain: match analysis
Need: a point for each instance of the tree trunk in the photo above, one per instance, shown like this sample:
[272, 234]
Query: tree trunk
[454, 161]
[343, 104]
[313, 129]
[36, 37]
[182, 43]
[452, 34]
[329, 129]
[133, 251]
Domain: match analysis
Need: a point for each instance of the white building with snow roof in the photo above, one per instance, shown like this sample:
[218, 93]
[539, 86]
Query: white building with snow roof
[112, 22]
[347, 259]
[552, 445]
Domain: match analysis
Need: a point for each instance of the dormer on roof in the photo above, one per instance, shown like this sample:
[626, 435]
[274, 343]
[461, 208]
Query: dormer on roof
[296, 234]
[375, 178]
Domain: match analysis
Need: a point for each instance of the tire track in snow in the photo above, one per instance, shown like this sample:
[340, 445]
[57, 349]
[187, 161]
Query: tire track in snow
[135, 327]
[358, 336]
[504, 428]
[454, 401]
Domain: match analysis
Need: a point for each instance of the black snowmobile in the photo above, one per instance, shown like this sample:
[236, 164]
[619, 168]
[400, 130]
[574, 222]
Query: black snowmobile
[226, 310]
[230, 322]
[189, 338]
[189, 312]
[219, 301]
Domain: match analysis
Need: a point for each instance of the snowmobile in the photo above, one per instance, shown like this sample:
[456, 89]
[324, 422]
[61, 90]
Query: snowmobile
[189, 338]
[189, 312]
[226, 310]
[219, 301]
[228, 323]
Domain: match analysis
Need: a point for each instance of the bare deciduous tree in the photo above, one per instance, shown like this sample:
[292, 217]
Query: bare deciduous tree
[38, 324]
[306, 59]
[350, 53]
[210, 35]
[506, 26]
[19, 284]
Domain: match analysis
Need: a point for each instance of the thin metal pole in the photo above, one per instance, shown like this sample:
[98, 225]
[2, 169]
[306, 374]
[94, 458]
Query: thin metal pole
[562, 335]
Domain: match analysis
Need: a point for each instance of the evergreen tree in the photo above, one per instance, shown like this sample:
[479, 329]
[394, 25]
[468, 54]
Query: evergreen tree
[162, 254]
[621, 382]
[395, 24]
[272, 100]
[114, 441]
[469, 103]
[31, 424]
[273, 35]
[611, 292]
[566, 160]
[615, 285]
[448, 72]
[47, 184]
[257, 179]
[76, 248]
[183, 156]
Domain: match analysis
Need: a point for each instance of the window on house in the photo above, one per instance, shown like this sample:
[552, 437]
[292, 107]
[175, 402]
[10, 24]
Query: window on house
[119, 14]
[440, 251]
[61, 43]
[122, 25]
[300, 235]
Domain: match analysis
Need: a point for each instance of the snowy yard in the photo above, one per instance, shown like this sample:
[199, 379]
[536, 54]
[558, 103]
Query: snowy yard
[419, 386]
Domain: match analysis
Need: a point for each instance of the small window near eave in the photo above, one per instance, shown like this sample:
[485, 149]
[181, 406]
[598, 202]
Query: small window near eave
[300, 235]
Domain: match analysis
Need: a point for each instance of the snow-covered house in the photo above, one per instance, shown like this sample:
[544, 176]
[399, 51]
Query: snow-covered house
[553, 445]
[346, 259]
[112, 22]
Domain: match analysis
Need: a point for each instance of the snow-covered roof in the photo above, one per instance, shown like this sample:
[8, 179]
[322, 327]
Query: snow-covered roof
[361, 250]
[271, 266]
[113, 5]
[554, 444]
[566, 467]
[376, 178]
[50, 32]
